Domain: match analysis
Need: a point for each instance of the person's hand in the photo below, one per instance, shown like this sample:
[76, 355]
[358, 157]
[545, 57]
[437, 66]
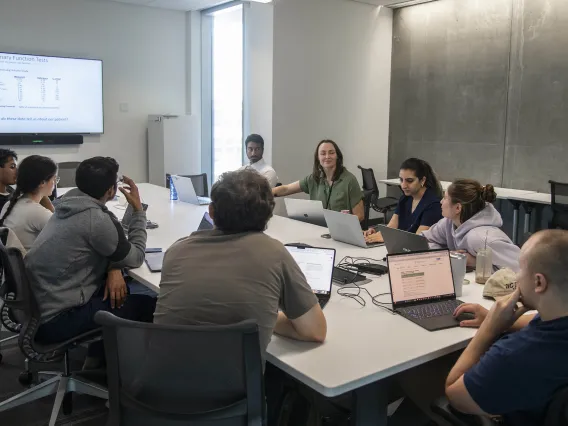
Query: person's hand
[471, 308]
[115, 288]
[130, 192]
[504, 313]
[369, 231]
[374, 238]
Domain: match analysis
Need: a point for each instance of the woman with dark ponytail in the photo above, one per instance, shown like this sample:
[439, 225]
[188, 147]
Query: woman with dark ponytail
[471, 223]
[419, 208]
[30, 209]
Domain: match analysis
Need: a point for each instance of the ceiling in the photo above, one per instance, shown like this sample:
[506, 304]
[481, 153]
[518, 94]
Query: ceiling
[187, 5]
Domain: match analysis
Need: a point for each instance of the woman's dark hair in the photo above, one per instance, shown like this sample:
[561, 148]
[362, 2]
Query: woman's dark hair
[32, 172]
[471, 195]
[424, 170]
[242, 202]
[318, 172]
[96, 176]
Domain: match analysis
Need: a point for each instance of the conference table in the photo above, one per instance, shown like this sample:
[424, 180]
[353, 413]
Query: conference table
[516, 197]
[365, 344]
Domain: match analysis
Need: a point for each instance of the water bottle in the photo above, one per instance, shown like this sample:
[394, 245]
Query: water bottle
[173, 192]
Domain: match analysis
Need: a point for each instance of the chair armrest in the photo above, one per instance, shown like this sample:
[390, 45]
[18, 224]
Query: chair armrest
[385, 203]
[63, 346]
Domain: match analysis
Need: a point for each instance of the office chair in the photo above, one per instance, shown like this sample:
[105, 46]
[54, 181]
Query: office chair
[24, 310]
[199, 183]
[8, 238]
[556, 412]
[559, 204]
[175, 374]
[66, 172]
[371, 197]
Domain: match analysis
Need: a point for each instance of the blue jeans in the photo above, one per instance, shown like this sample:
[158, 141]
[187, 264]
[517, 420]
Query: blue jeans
[79, 320]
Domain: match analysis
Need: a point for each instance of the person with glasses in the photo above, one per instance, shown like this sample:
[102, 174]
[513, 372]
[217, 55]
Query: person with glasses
[29, 208]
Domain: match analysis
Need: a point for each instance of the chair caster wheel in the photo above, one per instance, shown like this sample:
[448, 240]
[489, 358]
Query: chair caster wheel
[25, 378]
[67, 405]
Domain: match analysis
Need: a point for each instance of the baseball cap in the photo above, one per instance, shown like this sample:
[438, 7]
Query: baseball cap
[500, 284]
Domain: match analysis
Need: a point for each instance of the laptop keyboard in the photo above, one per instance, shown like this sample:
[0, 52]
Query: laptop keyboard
[431, 310]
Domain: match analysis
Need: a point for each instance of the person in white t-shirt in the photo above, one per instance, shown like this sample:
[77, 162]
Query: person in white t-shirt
[30, 208]
[255, 150]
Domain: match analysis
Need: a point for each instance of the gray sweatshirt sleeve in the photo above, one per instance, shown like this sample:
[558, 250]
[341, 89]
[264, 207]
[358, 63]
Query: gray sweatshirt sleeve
[436, 235]
[108, 238]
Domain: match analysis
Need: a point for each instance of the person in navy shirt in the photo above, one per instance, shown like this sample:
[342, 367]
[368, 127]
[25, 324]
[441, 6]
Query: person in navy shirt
[419, 208]
[516, 375]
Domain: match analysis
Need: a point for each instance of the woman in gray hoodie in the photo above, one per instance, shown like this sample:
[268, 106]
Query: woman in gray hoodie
[470, 222]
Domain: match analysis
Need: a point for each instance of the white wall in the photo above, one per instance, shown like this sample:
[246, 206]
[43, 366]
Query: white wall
[332, 68]
[259, 37]
[144, 59]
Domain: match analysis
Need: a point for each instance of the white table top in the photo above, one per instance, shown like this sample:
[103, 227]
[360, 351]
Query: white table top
[502, 193]
[363, 345]
[533, 197]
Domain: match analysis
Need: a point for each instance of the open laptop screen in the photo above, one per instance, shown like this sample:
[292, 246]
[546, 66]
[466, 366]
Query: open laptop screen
[420, 276]
[317, 266]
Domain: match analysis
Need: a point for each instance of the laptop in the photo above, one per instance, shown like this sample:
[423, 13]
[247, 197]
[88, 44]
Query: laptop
[206, 223]
[186, 191]
[347, 229]
[154, 261]
[317, 266]
[397, 241]
[309, 211]
[422, 288]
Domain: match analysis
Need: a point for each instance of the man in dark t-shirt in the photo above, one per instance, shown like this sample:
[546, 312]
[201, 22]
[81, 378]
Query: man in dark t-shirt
[8, 174]
[516, 375]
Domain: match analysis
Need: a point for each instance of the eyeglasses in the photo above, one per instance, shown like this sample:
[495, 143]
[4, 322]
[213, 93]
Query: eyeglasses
[57, 179]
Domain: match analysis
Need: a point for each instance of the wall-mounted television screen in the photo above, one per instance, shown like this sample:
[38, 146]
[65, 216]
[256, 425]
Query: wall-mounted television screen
[50, 95]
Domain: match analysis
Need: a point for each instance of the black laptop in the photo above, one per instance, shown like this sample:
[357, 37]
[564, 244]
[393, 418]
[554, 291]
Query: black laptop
[398, 241]
[422, 288]
[317, 265]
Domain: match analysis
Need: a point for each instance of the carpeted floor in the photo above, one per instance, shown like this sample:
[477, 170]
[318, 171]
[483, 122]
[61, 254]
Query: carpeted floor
[87, 411]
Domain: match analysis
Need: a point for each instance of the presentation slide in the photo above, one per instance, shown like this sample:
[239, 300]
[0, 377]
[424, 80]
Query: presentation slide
[44, 94]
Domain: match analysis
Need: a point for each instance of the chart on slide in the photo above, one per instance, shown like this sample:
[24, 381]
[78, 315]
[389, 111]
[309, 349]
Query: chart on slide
[50, 94]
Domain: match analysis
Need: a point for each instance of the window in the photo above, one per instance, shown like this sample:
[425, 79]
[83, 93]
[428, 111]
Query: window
[222, 74]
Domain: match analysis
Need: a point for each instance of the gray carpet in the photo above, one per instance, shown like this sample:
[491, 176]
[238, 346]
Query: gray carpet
[87, 411]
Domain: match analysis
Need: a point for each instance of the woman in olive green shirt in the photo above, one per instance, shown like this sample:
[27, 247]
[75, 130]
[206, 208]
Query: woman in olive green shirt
[329, 183]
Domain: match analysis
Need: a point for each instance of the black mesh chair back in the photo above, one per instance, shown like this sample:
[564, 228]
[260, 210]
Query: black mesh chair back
[559, 204]
[199, 183]
[66, 172]
[371, 196]
[7, 292]
[183, 375]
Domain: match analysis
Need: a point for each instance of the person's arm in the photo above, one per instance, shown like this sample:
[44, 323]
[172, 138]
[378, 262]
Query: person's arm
[359, 211]
[437, 235]
[285, 190]
[421, 229]
[480, 314]
[500, 318]
[505, 253]
[108, 237]
[393, 223]
[310, 327]
[46, 202]
[40, 217]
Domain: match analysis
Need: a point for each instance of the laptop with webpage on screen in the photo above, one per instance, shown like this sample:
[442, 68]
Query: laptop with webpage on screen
[422, 288]
[309, 211]
[186, 191]
[317, 266]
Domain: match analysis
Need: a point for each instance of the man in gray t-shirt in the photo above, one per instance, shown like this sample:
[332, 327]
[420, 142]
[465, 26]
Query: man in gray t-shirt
[236, 272]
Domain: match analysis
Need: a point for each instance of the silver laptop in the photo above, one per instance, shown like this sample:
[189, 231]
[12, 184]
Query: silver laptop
[309, 211]
[317, 266]
[186, 191]
[347, 229]
[397, 241]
